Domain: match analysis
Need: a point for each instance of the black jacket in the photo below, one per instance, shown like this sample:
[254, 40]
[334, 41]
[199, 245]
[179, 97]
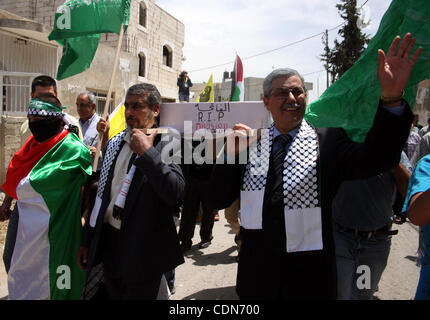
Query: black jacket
[149, 242]
[182, 87]
[313, 273]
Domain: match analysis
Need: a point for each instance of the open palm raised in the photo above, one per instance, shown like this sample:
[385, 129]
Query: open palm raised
[395, 67]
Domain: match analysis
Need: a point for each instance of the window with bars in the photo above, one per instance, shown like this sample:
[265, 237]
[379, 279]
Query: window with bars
[15, 91]
[101, 100]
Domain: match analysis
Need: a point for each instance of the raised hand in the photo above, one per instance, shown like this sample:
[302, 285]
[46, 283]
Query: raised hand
[140, 141]
[394, 68]
[239, 132]
[103, 126]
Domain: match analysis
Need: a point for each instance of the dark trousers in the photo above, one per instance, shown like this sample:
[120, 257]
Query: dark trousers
[184, 97]
[12, 230]
[197, 191]
[117, 288]
[266, 271]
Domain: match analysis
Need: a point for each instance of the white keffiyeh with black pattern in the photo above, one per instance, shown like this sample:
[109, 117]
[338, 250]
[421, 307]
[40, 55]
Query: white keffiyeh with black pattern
[111, 152]
[302, 209]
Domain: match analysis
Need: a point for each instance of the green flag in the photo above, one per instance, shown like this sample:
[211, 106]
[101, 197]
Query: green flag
[351, 101]
[77, 27]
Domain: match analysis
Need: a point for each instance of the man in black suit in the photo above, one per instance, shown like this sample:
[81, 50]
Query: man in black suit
[131, 232]
[286, 226]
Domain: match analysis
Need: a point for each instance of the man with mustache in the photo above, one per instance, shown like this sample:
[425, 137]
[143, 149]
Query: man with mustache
[287, 247]
[131, 231]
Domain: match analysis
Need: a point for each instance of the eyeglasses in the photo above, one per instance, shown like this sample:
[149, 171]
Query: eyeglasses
[284, 93]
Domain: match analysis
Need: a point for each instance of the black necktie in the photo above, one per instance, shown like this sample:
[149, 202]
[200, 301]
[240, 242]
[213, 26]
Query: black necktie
[278, 157]
[130, 163]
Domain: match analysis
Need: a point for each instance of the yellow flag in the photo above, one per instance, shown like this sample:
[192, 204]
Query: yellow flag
[207, 94]
[117, 120]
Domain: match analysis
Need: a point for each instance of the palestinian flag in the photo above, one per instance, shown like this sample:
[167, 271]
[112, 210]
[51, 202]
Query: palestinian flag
[49, 230]
[238, 92]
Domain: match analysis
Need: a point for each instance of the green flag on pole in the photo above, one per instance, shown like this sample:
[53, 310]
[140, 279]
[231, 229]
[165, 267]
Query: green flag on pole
[77, 27]
[351, 101]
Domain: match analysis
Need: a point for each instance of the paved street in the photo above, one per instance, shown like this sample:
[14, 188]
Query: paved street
[211, 273]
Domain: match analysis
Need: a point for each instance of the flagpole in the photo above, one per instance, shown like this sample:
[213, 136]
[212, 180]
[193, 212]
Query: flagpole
[108, 97]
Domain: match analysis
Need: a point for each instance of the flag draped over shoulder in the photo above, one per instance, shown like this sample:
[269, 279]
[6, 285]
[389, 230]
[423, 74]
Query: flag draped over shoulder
[77, 27]
[207, 94]
[351, 101]
[49, 230]
[21, 163]
[238, 91]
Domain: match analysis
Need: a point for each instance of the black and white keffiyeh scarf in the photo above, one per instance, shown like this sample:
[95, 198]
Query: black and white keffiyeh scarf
[111, 153]
[302, 208]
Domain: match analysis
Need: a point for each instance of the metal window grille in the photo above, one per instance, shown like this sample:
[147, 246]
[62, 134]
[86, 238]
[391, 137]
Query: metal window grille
[101, 100]
[15, 89]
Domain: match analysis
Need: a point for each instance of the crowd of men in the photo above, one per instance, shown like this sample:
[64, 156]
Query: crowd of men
[321, 208]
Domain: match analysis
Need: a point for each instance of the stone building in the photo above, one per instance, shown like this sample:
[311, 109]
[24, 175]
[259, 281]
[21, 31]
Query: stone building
[154, 42]
[151, 51]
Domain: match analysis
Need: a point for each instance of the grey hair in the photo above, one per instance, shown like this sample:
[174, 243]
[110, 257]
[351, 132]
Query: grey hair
[151, 94]
[90, 95]
[277, 73]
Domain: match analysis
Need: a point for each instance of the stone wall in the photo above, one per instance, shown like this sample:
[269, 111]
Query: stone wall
[41, 11]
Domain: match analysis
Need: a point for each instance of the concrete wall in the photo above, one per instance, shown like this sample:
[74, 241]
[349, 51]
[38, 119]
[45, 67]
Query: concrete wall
[10, 141]
[97, 78]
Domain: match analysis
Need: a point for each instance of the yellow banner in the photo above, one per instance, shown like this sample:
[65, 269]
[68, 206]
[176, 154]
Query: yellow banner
[207, 94]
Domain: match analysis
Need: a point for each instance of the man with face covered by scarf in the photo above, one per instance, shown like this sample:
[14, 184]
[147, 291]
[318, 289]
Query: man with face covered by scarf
[46, 176]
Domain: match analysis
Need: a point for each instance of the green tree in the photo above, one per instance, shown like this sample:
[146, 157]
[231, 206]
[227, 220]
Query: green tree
[344, 54]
